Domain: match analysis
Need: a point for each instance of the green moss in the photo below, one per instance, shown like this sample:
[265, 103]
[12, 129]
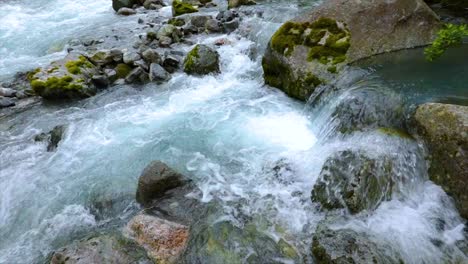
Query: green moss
[180, 8]
[310, 35]
[31, 75]
[332, 69]
[74, 67]
[178, 22]
[122, 70]
[312, 80]
[151, 35]
[395, 132]
[55, 83]
[53, 69]
[286, 249]
[190, 59]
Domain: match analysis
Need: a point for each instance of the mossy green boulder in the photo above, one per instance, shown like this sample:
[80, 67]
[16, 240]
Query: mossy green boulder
[66, 78]
[444, 129]
[237, 3]
[201, 60]
[181, 7]
[311, 49]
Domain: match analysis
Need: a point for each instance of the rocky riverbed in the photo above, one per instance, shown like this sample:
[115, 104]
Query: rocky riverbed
[143, 132]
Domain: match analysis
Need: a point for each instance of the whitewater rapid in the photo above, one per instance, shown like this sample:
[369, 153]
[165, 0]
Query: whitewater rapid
[225, 132]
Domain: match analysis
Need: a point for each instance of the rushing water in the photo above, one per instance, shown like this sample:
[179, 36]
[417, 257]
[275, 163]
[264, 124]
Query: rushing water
[226, 132]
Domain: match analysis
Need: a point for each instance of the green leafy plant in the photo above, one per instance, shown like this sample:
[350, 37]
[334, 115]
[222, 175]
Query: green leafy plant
[451, 35]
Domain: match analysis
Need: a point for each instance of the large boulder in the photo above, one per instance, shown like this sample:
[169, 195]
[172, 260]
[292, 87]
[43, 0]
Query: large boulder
[444, 128]
[347, 246]
[101, 249]
[156, 179]
[355, 181]
[70, 77]
[164, 240]
[312, 48]
[201, 60]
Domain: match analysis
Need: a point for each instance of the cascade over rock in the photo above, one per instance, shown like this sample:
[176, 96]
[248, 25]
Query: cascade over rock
[312, 48]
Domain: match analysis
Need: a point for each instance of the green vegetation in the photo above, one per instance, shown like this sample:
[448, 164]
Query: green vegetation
[190, 59]
[31, 75]
[74, 67]
[180, 8]
[451, 35]
[55, 83]
[326, 40]
[122, 70]
[178, 22]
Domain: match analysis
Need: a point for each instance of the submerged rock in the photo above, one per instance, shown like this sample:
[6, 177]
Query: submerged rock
[201, 60]
[70, 77]
[344, 245]
[124, 11]
[118, 4]
[355, 181]
[6, 102]
[53, 137]
[164, 240]
[444, 128]
[312, 48]
[223, 242]
[156, 179]
[101, 249]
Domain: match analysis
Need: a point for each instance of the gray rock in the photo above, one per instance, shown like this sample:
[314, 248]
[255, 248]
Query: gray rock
[444, 129]
[226, 16]
[169, 31]
[355, 181]
[201, 60]
[171, 63]
[111, 75]
[6, 102]
[230, 26]
[348, 246]
[237, 3]
[124, 11]
[312, 48]
[101, 249]
[101, 80]
[7, 92]
[142, 64]
[213, 25]
[155, 180]
[151, 56]
[130, 57]
[165, 42]
[53, 137]
[151, 4]
[116, 54]
[118, 4]
[158, 74]
[199, 21]
[137, 76]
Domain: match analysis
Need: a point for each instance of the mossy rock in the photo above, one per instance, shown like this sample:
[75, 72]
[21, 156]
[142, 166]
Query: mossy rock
[354, 181]
[201, 60]
[337, 33]
[122, 70]
[67, 78]
[180, 8]
[444, 129]
[238, 3]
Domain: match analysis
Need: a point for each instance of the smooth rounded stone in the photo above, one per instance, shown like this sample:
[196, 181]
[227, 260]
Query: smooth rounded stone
[213, 25]
[101, 249]
[348, 246]
[7, 92]
[130, 57]
[124, 11]
[354, 181]
[116, 55]
[312, 48]
[169, 31]
[230, 26]
[137, 76]
[150, 4]
[158, 74]
[155, 180]
[237, 3]
[118, 4]
[171, 63]
[201, 60]
[163, 240]
[52, 137]
[6, 102]
[69, 77]
[444, 129]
